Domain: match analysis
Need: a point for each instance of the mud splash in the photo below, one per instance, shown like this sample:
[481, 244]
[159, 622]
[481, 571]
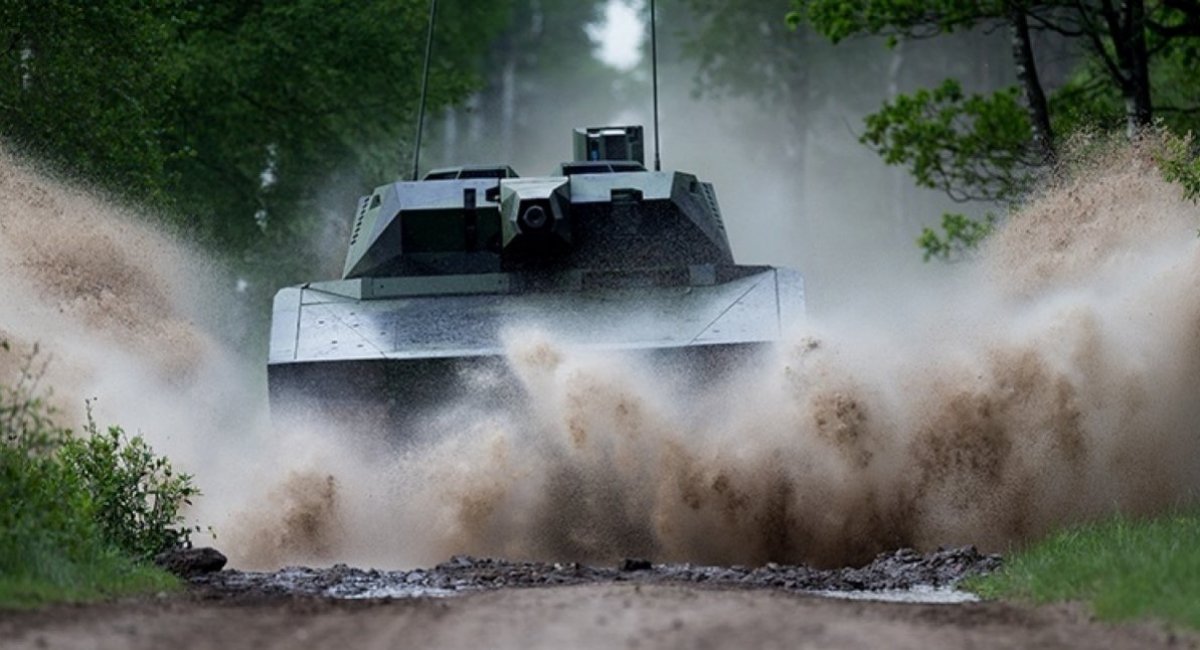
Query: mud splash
[1055, 380]
[129, 318]
[1052, 381]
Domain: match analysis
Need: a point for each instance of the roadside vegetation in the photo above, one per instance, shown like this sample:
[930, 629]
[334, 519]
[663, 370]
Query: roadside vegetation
[1124, 568]
[82, 514]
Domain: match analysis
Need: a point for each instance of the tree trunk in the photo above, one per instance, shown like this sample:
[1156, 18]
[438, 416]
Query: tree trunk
[1127, 29]
[26, 67]
[1031, 86]
[900, 178]
[1140, 112]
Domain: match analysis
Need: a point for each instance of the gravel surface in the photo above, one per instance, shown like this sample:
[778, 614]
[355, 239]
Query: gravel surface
[529, 605]
[899, 570]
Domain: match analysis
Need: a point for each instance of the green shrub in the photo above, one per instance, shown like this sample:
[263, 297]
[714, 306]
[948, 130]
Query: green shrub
[1180, 163]
[137, 495]
[47, 515]
[79, 516]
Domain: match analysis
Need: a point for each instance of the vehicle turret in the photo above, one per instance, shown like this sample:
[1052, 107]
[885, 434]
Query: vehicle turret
[602, 210]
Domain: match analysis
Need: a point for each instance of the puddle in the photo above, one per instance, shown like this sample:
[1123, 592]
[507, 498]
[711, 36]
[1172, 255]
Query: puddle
[397, 591]
[923, 594]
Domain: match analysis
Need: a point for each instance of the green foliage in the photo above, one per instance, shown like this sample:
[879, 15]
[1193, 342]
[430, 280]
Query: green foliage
[1137, 62]
[136, 493]
[47, 515]
[83, 85]
[1088, 102]
[1125, 568]
[973, 147]
[294, 91]
[969, 146]
[838, 20]
[961, 234]
[80, 515]
[1176, 156]
[1176, 91]
[1179, 161]
[233, 119]
[103, 576]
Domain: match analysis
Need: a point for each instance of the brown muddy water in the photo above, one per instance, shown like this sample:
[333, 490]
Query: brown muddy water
[1051, 380]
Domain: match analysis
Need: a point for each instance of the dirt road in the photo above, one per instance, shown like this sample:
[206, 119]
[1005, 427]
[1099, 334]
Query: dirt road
[470, 602]
[613, 615]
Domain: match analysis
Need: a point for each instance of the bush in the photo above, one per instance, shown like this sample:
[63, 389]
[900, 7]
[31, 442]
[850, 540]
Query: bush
[137, 495]
[81, 515]
[1180, 163]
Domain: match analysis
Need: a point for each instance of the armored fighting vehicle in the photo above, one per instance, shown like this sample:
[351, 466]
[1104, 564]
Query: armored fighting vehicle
[602, 254]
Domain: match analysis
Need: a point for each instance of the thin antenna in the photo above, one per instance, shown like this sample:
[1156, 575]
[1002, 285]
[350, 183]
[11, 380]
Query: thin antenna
[424, 86]
[654, 74]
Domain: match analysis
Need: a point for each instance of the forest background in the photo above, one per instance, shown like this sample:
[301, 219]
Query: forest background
[837, 133]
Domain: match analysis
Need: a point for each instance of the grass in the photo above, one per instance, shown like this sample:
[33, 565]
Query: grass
[98, 579]
[1124, 568]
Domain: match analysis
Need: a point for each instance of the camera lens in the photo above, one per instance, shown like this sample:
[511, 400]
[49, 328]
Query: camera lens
[534, 218]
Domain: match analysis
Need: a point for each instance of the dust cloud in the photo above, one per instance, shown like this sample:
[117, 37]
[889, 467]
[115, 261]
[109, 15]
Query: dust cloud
[129, 318]
[1054, 379]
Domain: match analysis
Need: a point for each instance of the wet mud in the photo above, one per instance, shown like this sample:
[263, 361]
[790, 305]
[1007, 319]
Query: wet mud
[904, 569]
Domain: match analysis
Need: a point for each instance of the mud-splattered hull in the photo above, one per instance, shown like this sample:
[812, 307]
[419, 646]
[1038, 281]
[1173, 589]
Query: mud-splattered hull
[381, 351]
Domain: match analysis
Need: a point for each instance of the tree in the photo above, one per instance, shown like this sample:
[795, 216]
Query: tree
[744, 50]
[989, 147]
[84, 100]
[542, 81]
[232, 118]
[278, 97]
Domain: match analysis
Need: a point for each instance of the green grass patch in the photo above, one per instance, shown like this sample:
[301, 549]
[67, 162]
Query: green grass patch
[1124, 568]
[80, 580]
[81, 515]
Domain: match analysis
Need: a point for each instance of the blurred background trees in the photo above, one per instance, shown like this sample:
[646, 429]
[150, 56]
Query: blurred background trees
[232, 118]
[251, 126]
[1130, 61]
